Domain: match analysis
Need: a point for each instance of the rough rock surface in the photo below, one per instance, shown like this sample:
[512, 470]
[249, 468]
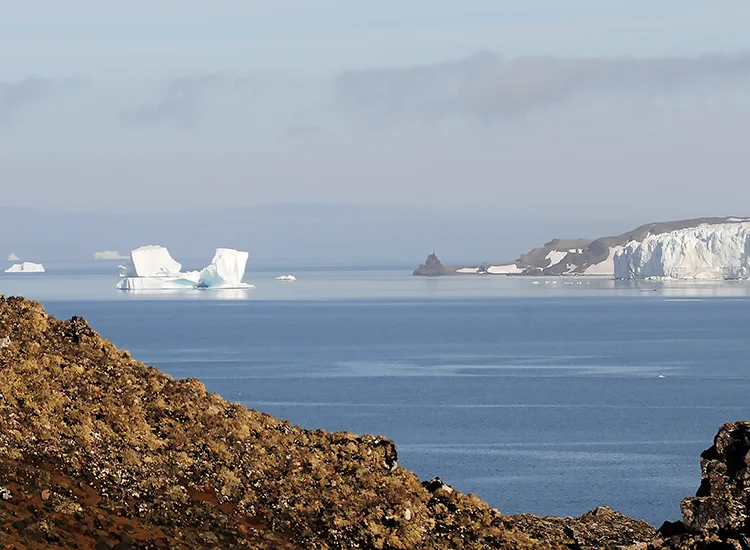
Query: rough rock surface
[98, 450]
[432, 267]
[718, 516]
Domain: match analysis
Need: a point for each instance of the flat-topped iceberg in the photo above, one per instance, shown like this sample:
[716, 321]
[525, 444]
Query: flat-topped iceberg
[153, 268]
[226, 270]
[708, 251]
[26, 267]
[109, 255]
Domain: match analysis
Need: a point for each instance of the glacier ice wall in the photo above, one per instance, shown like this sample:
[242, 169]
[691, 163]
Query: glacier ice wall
[709, 251]
[226, 270]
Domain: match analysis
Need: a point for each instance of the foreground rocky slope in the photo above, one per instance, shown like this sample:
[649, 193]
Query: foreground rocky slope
[98, 450]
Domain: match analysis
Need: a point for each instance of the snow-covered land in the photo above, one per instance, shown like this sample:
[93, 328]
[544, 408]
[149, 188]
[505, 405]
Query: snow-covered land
[709, 251]
[607, 267]
[153, 268]
[506, 269]
[13, 258]
[26, 267]
[109, 255]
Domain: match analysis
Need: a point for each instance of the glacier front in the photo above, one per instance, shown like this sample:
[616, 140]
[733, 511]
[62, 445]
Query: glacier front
[708, 251]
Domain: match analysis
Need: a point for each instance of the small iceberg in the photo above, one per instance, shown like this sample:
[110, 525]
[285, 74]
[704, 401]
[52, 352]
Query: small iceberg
[26, 267]
[286, 278]
[152, 267]
[109, 255]
[13, 258]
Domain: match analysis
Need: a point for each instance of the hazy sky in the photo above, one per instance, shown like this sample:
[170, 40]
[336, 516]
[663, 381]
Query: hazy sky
[632, 109]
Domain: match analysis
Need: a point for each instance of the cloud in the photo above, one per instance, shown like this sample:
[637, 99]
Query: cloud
[182, 99]
[488, 84]
[16, 95]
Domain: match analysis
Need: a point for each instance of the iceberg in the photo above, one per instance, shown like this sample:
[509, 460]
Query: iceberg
[286, 278]
[153, 268]
[708, 251]
[109, 255]
[13, 258]
[26, 267]
[226, 270]
[154, 261]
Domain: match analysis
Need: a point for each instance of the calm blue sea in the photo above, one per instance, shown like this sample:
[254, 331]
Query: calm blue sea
[549, 398]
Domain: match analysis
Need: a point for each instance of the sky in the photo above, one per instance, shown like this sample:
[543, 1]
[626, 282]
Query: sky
[622, 110]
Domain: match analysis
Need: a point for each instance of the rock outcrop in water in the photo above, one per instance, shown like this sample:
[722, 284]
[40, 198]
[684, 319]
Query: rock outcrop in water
[433, 267]
[98, 450]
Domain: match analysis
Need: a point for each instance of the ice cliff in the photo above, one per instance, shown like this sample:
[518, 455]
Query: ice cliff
[153, 268]
[708, 251]
[226, 270]
[26, 267]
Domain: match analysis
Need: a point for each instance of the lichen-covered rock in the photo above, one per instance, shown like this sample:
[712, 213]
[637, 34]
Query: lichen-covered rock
[98, 450]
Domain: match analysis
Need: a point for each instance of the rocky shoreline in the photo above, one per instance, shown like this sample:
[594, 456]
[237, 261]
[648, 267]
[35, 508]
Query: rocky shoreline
[100, 451]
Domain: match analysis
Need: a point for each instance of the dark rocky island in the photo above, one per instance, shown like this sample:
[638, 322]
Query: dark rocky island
[99, 451]
[432, 267]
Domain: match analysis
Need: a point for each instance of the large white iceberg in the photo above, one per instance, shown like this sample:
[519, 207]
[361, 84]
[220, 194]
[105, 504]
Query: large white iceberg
[26, 267]
[226, 270]
[153, 268]
[709, 251]
[154, 261]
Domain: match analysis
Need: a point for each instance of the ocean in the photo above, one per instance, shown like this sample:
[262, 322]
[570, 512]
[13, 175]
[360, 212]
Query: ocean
[538, 396]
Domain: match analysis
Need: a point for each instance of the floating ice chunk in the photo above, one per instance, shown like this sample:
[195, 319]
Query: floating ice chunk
[154, 261]
[26, 267]
[13, 258]
[152, 268]
[109, 255]
[286, 278]
[226, 270]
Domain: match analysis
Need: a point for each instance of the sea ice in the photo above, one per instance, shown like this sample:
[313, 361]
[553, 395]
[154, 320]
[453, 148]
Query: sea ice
[709, 251]
[26, 267]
